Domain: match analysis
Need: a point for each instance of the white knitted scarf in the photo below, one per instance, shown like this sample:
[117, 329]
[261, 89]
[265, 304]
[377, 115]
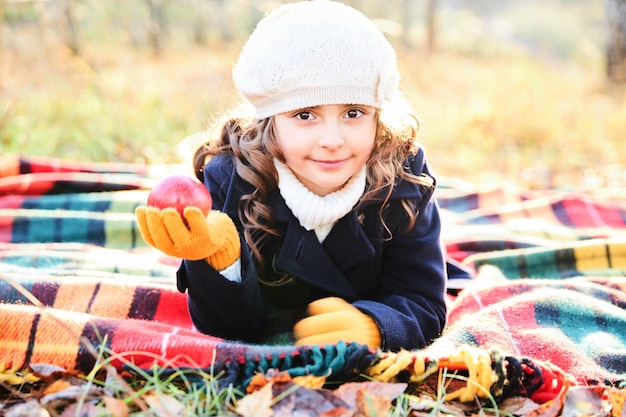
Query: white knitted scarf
[313, 211]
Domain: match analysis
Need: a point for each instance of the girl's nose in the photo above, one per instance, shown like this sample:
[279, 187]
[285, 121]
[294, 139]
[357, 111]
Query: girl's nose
[331, 137]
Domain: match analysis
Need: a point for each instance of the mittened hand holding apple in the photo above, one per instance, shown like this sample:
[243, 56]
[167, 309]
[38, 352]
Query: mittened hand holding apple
[332, 319]
[177, 226]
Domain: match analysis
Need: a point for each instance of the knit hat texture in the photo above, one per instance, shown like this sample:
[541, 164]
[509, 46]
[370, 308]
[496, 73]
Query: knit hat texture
[312, 53]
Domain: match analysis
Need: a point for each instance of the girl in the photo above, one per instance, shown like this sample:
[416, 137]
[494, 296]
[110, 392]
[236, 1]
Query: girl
[324, 225]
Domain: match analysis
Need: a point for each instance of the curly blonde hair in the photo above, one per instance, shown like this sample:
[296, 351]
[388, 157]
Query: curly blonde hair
[253, 143]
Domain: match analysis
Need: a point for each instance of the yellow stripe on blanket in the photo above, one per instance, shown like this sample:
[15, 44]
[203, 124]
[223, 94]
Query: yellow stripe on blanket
[15, 332]
[32, 335]
[75, 297]
[57, 339]
[94, 297]
[600, 255]
[111, 302]
[618, 255]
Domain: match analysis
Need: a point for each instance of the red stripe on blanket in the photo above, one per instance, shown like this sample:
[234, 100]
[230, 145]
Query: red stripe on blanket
[6, 228]
[69, 182]
[144, 343]
[172, 309]
[470, 301]
[38, 164]
[12, 201]
[583, 212]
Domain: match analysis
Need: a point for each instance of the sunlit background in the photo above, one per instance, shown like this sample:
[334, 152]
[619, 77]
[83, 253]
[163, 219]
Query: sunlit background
[507, 90]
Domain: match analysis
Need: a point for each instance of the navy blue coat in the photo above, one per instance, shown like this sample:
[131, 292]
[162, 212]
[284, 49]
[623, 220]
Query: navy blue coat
[400, 282]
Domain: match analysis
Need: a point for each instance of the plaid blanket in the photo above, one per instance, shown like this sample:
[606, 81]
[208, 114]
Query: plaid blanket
[545, 307]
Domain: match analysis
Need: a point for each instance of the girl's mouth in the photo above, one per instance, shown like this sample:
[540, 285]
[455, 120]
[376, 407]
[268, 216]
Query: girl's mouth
[330, 164]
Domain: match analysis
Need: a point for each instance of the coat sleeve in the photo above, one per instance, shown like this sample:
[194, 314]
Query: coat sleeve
[218, 306]
[410, 306]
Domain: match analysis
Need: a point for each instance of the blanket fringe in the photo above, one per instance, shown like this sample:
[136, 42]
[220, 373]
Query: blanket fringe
[477, 364]
[485, 374]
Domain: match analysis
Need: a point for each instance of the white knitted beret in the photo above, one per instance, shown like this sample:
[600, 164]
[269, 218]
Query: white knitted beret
[316, 52]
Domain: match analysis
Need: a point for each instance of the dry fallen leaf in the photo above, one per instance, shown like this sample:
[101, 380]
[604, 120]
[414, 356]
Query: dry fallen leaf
[27, 409]
[69, 395]
[56, 386]
[518, 406]
[427, 403]
[372, 405]
[550, 408]
[303, 402]
[586, 401]
[115, 407]
[163, 405]
[44, 370]
[256, 404]
[260, 380]
[310, 381]
[83, 410]
[616, 397]
[348, 391]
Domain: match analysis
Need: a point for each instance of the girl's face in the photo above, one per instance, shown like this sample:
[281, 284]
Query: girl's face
[326, 145]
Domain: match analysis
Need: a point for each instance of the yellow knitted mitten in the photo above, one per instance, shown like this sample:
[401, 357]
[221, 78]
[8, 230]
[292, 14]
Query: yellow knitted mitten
[333, 319]
[213, 238]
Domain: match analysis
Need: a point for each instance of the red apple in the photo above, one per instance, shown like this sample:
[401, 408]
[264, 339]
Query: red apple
[179, 191]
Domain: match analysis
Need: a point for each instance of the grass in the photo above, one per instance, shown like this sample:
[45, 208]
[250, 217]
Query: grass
[193, 392]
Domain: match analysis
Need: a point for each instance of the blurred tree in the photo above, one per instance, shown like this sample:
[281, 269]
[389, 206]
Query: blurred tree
[224, 26]
[201, 10]
[157, 28]
[71, 37]
[406, 22]
[615, 11]
[431, 25]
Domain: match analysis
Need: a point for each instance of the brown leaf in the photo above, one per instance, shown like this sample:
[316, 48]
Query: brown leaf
[338, 412]
[257, 382]
[56, 386]
[115, 406]
[372, 405]
[348, 392]
[519, 406]
[301, 401]
[260, 380]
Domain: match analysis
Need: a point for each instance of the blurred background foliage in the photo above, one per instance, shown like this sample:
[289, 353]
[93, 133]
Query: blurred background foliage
[507, 90]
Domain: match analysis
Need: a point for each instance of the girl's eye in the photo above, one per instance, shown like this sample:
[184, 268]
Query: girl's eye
[353, 113]
[303, 115]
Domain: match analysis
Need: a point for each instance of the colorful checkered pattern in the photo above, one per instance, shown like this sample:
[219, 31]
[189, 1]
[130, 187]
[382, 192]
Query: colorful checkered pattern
[548, 294]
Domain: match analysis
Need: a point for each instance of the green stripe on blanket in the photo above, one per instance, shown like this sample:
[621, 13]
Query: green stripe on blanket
[546, 308]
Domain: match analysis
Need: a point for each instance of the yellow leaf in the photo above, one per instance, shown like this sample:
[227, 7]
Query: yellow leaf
[257, 404]
[310, 381]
